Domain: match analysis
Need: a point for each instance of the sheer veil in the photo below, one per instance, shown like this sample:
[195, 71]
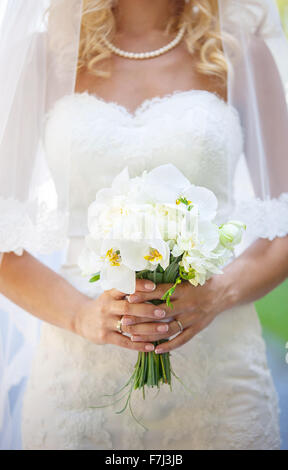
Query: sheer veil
[38, 59]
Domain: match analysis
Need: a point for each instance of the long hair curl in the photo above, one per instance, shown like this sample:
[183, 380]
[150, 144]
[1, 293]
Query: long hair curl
[203, 36]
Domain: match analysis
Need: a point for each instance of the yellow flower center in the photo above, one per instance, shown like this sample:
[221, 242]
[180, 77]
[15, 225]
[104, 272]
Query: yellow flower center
[154, 255]
[113, 257]
[185, 201]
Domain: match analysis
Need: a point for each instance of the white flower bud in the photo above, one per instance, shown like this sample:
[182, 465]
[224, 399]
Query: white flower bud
[231, 233]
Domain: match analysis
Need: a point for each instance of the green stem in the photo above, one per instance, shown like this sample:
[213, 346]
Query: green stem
[163, 367]
[152, 369]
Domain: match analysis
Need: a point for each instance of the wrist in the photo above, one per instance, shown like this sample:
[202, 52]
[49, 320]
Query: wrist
[231, 277]
[224, 293]
[231, 291]
[84, 306]
[79, 307]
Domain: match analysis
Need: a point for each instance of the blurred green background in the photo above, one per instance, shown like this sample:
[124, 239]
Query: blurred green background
[273, 308]
[273, 314]
[283, 8]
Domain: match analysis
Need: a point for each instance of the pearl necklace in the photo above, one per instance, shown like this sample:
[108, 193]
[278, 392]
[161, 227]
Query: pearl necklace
[146, 55]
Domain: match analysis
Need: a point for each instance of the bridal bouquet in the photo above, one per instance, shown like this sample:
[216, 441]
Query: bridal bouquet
[156, 226]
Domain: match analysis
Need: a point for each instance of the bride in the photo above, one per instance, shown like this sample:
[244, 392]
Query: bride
[172, 105]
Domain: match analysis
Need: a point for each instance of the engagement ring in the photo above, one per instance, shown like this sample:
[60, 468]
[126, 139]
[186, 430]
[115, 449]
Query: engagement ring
[119, 326]
[180, 325]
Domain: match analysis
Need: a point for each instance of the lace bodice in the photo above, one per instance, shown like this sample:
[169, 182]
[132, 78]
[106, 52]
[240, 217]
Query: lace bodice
[196, 130]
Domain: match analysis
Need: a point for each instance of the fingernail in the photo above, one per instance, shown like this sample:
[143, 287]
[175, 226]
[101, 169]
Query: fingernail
[162, 328]
[149, 347]
[150, 285]
[135, 338]
[159, 351]
[127, 321]
[159, 313]
[132, 298]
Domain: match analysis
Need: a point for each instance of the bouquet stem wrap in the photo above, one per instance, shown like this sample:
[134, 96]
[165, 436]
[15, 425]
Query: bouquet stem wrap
[151, 368]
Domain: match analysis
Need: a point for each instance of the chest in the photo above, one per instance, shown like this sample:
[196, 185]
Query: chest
[131, 82]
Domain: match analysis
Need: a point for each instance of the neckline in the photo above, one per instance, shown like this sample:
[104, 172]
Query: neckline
[150, 102]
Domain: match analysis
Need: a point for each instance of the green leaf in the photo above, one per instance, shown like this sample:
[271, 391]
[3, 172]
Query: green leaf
[171, 273]
[159, 269]
[95, 277]
[154, 276]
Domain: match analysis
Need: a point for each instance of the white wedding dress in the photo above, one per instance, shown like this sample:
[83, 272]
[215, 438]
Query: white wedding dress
[234, 403]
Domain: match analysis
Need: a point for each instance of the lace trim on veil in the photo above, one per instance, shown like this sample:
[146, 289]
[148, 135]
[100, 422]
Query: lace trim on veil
[264, 218]
[20, 229]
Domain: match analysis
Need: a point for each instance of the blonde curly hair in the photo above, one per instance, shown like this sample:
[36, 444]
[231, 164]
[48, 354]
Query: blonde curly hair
[201, 18]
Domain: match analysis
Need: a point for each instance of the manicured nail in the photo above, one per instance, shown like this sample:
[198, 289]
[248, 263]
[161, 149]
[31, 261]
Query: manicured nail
[150, 286]
[127, 321]
[135, 338]
[159, 351]
[149, 347]
[159, 313]
[162, 328]
[133, 298]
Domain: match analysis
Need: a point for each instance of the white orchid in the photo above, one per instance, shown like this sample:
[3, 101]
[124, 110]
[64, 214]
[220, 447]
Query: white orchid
[200, 266]
[204, 238]
[208, 236]
[89, 262]
[119, 187]
[170, 220]
[136, 223]
[101, 256]
[145, 254]
[176, 188]
[118, 260]
[204, 199]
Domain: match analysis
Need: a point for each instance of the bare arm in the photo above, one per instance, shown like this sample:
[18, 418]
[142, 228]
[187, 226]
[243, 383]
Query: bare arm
[47, 295]
[39, 290]
[258, 270]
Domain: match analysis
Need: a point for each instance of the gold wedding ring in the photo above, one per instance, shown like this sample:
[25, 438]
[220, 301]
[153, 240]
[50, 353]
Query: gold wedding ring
[180, 326]
[119, 326]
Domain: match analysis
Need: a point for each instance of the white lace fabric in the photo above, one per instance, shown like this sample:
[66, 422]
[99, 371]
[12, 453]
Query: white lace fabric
[19, 231]
[234, 403]
[264, 218]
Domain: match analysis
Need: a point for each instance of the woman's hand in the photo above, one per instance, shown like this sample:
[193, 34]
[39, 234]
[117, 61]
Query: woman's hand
[96, 319]
[246, 279]
[195, 307]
